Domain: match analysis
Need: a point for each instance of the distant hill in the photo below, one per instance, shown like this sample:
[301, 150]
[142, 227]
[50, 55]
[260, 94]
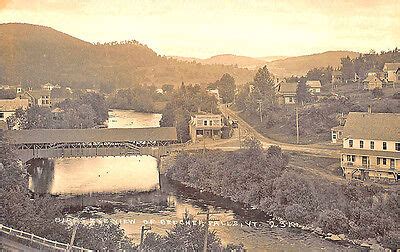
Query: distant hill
[227, 60]
[33, 55]
[301, 64]
[272, 58]
[279, 65]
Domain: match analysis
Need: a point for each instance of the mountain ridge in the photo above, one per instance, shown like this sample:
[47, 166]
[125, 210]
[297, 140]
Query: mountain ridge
[34, 54]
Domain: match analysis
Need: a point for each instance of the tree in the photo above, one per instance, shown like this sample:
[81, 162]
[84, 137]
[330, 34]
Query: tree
[302, 93]
[264, 85]
[377, 93]
[226, 87]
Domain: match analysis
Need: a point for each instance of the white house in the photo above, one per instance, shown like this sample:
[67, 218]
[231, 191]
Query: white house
[371, 145]
[205, 125]
[314, 86]
[9, 106]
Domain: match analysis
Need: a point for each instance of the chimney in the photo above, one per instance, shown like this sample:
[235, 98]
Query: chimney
[369, 109]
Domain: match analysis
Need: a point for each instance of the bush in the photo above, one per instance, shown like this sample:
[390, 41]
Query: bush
[334, 221]
[296, 213]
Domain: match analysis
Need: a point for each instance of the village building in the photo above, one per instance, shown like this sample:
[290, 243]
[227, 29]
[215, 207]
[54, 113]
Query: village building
[9, 106]
[314, 87]
[337, 134]
[48, 86]
[287, 93]
[390, 70]
[17, 89]
[371, 82]
[371, 145]
[41, 98]
[205, 125]
[337, 131]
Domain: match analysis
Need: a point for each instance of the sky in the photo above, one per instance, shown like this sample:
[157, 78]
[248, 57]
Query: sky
[203, 28]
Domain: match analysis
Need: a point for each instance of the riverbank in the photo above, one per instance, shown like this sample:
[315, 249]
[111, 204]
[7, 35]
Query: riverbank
[350, 212]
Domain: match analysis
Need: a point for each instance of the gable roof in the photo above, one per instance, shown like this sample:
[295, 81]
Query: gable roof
[374, 126]
[288, 88]
[91, 135]
[391, 66]
[372, 78]
[13, 104]
[37, 94]
[314, 84]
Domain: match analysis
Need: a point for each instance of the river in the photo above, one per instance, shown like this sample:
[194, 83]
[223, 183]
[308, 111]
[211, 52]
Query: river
[115, 178]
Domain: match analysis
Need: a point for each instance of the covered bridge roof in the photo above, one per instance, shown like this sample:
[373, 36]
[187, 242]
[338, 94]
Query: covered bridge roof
[40, 136]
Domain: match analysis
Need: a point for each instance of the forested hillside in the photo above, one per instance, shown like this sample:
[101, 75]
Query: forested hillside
[33, 55]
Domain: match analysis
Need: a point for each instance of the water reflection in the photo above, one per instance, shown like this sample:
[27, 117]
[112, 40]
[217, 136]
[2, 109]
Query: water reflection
[88, 175]
[41, 173]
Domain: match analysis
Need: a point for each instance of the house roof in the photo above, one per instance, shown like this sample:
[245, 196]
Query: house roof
[391, 66]
[374, 126]
[40, 136]
[13, 104]
[372, 78]
[38, 93]
[314, 84]
[337, 128]
[288, 88]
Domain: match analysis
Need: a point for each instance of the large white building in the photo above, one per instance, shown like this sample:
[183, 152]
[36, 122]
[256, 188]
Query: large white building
[371, 145]
[9, 106]
[205, 126]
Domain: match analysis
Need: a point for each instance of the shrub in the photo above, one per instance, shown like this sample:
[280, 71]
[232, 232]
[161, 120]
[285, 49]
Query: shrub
[334, 221]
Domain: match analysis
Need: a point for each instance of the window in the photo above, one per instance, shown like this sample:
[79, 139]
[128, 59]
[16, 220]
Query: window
[372, 145]
[205, 122]
[378, 161]
[384, 161]
[397, 146]
[361, 144]
[1, 115]
[334, 136]
[384, 145]
[351, 143]
[211, 122]
[351, 158]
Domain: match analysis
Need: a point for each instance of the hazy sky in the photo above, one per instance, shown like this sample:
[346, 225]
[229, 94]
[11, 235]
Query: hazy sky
[204, 28]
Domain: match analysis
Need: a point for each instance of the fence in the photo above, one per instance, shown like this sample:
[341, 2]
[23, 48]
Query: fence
[34, 241]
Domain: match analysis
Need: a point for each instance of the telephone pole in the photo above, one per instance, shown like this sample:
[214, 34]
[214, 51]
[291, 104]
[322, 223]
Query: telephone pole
[207, 213]
[297, 126]
[260, 108]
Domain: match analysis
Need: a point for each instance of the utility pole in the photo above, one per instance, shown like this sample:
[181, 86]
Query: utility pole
[297, 126]
[207, 213]
[260, 108]
[142, 233]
